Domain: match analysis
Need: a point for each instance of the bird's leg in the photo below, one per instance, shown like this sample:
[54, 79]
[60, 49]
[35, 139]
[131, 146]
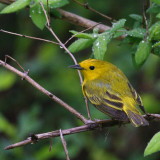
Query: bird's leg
[149, 117]
[87, 107]
[91, 124]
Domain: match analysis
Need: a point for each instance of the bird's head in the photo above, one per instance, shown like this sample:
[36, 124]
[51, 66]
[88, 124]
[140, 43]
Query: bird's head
[91, 68]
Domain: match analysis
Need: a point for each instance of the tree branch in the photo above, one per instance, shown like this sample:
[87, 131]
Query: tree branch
[73, 18]
[64, 145]
[30, 37]
[98, 124]
[43, 90]
[86, 6]
[81, 21]
[7, 1]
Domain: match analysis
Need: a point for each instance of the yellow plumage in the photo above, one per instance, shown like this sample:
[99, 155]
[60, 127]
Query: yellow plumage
[109, 90]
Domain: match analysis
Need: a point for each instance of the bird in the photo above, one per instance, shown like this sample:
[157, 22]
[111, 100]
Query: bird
[110, 91]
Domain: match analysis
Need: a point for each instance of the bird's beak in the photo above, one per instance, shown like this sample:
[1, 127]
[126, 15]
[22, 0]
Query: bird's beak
[77, 66]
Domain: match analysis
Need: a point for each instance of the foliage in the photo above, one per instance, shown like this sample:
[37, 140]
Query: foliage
[14, 7]
[142, 53]
[36, 12]
[99, 42]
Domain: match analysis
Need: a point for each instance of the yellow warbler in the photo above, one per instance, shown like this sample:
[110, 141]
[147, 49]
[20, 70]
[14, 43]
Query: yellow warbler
[109, 90]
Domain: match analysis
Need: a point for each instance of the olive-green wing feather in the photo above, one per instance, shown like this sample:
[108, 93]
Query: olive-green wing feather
[100, 94]
[123, 87]
[136, 97]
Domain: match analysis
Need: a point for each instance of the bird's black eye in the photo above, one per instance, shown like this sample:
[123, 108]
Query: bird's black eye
[91, 67]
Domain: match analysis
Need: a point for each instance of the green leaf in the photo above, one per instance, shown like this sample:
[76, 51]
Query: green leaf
[136, 17]
[119, 33]
[155, 8]
[154, 145]
[156, 44]
[137, 32]
[156, 50]
[100, 45]
[7, 80]
[158, 15]
[118, 25]
[155, 31]
[156, 1]
[142, 53]
[37, 15]
[80, 44]
[82, 35]
[96, 30]
[54, 3]
[7, 127]
[15, 6]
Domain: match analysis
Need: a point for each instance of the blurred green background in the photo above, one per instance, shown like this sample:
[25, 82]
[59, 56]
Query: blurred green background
[24, 110]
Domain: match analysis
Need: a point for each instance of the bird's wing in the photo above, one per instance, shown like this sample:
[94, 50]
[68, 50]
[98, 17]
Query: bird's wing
[136, 97]
[121, 85]
[99, 93]
[92, 93]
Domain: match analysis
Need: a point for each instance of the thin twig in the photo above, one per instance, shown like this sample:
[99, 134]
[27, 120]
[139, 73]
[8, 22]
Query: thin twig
[89, 127]
[64, 145]
[45, 13]
[66, 49]
[48, 9]
[60, 43]
[79, 33]
[7, 56]
[7, 1]
[25, 72]
[50, 145]
[145, 5]
[25, 36]
[86, 6]
[87, 107]
[43, 90]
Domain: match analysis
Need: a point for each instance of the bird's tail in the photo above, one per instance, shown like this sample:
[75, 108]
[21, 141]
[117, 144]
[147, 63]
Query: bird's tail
[136, 118]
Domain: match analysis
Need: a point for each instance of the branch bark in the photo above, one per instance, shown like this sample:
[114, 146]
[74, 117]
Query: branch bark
[7, 1]
[81, 21]
[98, 124]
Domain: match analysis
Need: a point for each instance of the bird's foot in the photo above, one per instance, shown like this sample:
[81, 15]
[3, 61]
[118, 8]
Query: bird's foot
[149, 116]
